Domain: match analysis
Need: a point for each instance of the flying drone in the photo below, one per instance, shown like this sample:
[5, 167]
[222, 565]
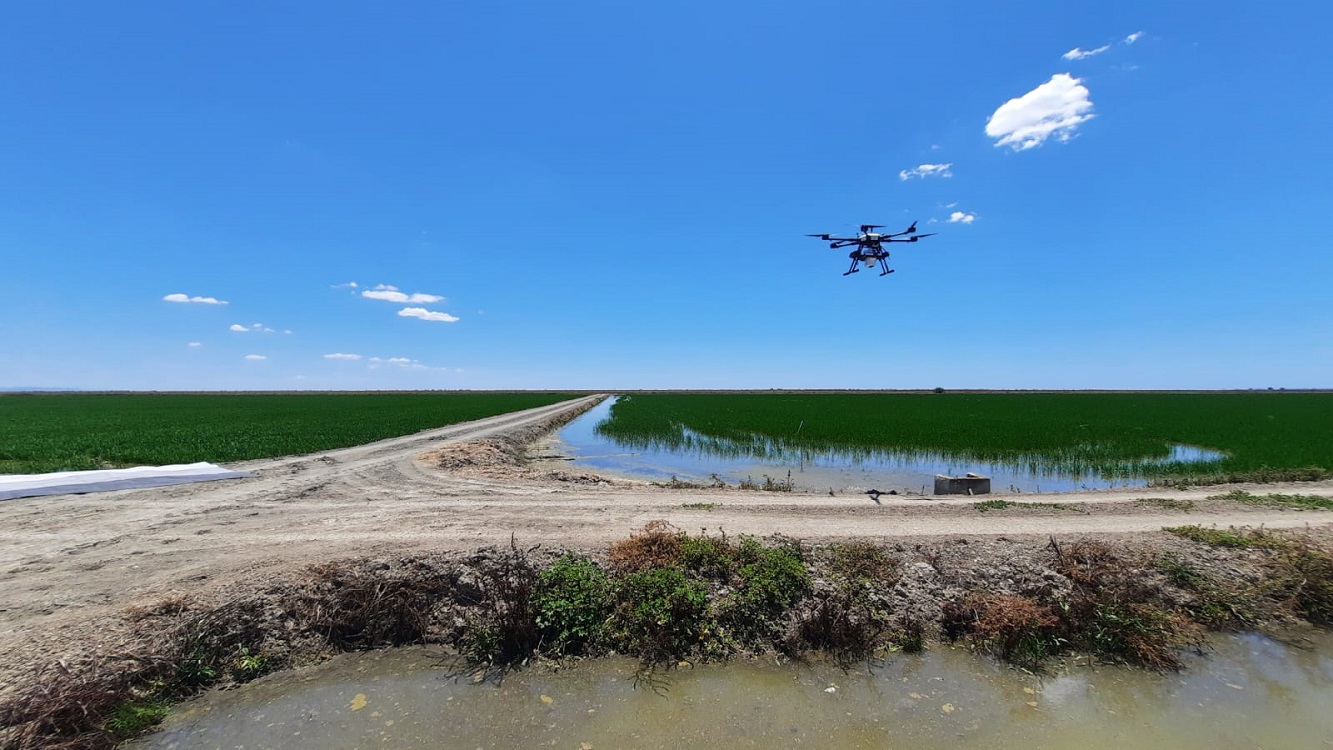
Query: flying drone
[870, 245]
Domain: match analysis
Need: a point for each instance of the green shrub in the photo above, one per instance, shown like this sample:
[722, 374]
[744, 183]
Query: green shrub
[659, 614]
[708, 556]
[571, 604]
[771, 580]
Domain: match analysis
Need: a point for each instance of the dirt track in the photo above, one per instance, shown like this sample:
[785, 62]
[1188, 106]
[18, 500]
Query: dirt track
[67, 562]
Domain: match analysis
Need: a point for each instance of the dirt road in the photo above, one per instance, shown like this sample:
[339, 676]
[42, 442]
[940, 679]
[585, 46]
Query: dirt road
[66, 561]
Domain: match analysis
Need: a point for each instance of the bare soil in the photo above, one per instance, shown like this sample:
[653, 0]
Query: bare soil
[72, 566]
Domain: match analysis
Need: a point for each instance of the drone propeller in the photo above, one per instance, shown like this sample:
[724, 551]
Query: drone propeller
[868, 227]
[909, 230]
[919, 236]
[820, 236]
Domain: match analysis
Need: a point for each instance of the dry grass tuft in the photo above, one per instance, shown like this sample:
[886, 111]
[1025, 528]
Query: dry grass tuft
[656, 546]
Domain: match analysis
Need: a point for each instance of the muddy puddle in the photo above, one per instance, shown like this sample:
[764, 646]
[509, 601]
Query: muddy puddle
[824, 471]
[1249, 692]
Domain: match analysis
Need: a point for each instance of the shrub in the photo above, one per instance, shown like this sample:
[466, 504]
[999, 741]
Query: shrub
[864, 561]
[1015, 628]
[657, 546]
[571, 604]
[771, 580]
[659, 614]
[708, 556]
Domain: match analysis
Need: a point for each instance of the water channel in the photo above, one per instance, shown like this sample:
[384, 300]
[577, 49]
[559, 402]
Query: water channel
[1249, 692]
[829, 470]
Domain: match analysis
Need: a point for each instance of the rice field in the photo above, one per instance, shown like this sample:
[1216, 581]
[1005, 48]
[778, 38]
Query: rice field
[59, 432]
[1261, 435]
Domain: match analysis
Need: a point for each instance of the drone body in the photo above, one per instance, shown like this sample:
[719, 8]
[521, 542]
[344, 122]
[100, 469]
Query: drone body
[870, 246]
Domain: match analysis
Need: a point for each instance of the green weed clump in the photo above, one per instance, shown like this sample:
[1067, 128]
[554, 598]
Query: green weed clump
[989, 505]
[771, 580]
[710, 557]
[1166, 503]
[1274, 500]
[864, 562]
[134, 717]
[1231, 538]
[659, 614]
[571, 604]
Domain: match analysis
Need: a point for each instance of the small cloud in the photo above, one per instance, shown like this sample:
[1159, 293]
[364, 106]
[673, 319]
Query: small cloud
[194, 300]
[951, 205]
[1079, 54]
[1054, 109]
[238, 328]
[401, 362]
[348, 285]
[340, 355]
[256, 357]
[961, 217]
[424, 314]
[255, 328]
[194, 344]
[391, 294]
[927, 170]
[1133, 37]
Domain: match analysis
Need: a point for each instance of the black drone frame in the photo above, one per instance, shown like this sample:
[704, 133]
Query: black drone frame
[871, 249]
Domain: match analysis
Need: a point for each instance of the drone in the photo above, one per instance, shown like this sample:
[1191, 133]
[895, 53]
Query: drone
[870, 245]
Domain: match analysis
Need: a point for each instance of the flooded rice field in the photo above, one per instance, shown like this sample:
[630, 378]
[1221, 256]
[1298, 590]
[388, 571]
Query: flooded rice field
[1249, 692]
[708, 459]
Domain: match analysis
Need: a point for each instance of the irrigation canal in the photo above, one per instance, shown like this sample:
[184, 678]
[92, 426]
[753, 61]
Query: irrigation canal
[1250, 692]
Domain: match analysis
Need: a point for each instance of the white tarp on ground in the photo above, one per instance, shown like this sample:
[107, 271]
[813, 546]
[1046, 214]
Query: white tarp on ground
[77, 482]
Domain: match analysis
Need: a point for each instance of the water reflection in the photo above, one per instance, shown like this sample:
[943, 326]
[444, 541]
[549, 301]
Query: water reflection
[697, 457]
[1252, 692]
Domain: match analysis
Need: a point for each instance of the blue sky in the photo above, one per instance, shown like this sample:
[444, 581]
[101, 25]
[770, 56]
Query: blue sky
[615, 195]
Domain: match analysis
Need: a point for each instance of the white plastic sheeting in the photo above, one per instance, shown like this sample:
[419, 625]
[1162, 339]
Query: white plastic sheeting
[78, 482]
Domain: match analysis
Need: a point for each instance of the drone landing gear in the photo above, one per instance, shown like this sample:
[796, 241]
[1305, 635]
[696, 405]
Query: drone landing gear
[884, 264]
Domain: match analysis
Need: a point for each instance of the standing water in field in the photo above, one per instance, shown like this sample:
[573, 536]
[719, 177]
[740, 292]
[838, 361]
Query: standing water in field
[695, 457]
[1249, 692]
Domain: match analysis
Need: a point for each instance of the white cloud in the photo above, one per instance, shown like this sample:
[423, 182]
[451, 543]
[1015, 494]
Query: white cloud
[424, 314]
[1054, 109]
[348, 285]
[927, 170]
[391, 294]
[402, 362]
[1079, 54]
[256, 328]
[1133, 37]
[238, 328]
[255, 357]
[960, 217]
[194, 344]
[178, 297]
[340, 355]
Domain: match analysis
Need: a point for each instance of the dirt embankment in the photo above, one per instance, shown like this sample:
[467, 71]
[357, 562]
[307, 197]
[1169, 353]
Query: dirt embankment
[97, 582]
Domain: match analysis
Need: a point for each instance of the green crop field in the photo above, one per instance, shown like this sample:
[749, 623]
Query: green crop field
[57, 432]
[1262, 435]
